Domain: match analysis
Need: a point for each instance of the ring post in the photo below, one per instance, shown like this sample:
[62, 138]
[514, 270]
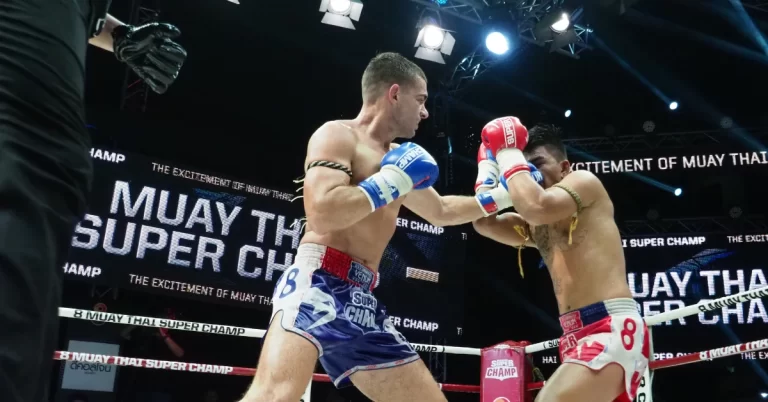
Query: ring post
[503, 373]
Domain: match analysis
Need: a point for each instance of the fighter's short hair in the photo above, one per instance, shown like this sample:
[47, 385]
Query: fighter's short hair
[549, 136]
[387, 69]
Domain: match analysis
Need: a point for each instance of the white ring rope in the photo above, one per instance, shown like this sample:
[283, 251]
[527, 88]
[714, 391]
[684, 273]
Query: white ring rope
[91, 315]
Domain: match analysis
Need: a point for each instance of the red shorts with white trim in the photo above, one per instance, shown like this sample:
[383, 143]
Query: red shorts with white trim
[611, 331]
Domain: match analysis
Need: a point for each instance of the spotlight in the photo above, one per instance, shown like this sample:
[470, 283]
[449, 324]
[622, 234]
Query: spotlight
[340, 13]
[433, 37]
[673, 106]
[497, 43]
[678, 191]
[764, 395]
[433, 42]
[562, 24]
[568, 113]
[341, 7]
[550, 25]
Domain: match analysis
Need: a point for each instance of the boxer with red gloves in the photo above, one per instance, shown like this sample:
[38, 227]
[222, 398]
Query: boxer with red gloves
[568, 216]
[356, 181]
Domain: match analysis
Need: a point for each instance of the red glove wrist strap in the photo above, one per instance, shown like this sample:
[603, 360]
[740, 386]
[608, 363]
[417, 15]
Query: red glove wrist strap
[515, 170]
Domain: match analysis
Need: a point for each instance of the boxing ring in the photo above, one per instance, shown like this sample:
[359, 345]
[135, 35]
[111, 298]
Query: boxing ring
[518, 394]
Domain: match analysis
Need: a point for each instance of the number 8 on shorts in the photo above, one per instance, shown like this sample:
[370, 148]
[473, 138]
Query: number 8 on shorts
[628, 333]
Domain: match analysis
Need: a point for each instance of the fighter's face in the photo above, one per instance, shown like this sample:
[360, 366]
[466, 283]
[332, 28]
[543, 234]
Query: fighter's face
[550, 167]
[409, 107]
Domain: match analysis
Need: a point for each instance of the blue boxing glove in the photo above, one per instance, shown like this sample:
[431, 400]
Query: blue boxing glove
[403, 169]
[535, 175]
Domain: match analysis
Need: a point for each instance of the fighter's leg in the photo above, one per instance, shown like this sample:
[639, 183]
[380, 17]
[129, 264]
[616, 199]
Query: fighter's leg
[577, 383]
[409, 382]
[285, 366]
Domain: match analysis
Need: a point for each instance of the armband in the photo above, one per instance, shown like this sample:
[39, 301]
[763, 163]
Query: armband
[328, 164]
[331, 165]
[579, 208]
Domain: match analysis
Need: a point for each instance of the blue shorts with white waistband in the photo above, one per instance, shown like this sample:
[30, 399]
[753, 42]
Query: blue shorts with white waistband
[347, 324]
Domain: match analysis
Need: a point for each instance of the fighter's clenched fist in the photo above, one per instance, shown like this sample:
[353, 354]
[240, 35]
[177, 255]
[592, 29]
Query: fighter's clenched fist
[408, 167]
[505, 138]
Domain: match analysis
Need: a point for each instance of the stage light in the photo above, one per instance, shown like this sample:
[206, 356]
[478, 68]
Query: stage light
[673, 106]
[497, 43]
[568, 113]
[545, 28]
[339, 6]
[562, 24]
[433, 37]
[563, 39]
[678, 191]
[433, 42]
[340, 13]
[764, 395]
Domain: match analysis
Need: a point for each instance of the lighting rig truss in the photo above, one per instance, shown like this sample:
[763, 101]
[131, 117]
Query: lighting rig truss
[468, 10]
[438, 362]
[640, 142]
[470, 67]
[710, 225]
[530, 14]
[759, 5]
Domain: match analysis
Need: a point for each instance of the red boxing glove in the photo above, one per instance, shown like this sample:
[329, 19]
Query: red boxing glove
[505, 138]
[503, 133]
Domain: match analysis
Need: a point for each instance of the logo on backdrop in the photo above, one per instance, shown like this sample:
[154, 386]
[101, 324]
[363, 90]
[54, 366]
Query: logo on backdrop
[702, 278]
[663, 163]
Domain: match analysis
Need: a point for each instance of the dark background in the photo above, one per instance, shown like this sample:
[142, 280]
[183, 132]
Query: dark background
[268, 73]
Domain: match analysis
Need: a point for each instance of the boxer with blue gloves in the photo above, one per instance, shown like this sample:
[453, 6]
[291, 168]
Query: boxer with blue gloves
[356, 180]
[408, 167]
[568, 216]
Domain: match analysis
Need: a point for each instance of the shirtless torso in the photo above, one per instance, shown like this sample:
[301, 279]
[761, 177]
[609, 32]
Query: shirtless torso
[366, 239]
[592, 267]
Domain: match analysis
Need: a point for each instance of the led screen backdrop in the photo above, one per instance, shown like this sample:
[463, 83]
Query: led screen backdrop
[171, 229]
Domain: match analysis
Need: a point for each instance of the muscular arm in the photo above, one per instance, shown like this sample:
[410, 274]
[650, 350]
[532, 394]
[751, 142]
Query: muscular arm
[540, 207]
[330, 202]
[501, 228]
[443, 210]
[104, 39]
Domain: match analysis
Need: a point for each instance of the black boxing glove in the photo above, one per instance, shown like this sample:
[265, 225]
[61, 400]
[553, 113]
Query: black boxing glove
[150, 52]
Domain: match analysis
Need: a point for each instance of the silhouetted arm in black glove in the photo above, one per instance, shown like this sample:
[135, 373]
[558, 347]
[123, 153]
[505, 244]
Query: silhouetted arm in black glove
[149, 50]
[104, 38]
